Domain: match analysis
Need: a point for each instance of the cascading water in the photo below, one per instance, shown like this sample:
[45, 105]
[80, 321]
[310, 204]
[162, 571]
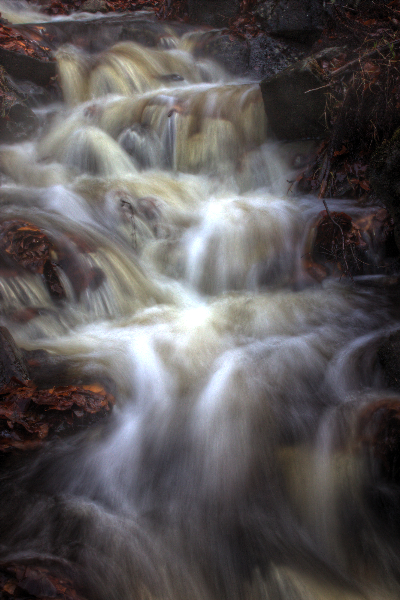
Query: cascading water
[227, 468]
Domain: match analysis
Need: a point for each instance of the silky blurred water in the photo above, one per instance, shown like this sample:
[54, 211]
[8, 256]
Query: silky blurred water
[228, 468]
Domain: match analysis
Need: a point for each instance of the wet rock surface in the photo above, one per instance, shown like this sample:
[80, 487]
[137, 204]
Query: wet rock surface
[27, 77]
[96, 34]
[12, 362]
[27, 67]
[29, 415]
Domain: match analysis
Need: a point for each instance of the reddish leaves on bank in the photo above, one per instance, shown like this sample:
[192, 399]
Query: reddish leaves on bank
[29, 247]
[29, 415]
[11, 39]
[26, 244]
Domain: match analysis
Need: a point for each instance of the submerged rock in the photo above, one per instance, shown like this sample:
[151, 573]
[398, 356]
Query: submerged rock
[12, 362]
[27, 67]
[233, 54]
[17, 121]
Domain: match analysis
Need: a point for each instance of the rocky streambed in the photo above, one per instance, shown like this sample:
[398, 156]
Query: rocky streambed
[199, 318]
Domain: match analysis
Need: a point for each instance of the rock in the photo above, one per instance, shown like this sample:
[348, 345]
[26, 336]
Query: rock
[30, 248]
[384, 177]
[269, 56]
[32, 94]
[232, 54]
[301, 20]
[389, 358]
[94, 6]
[29, 415]
[95, 35]
[144, 145]
[255, 57]
[24, 67]
[17, 121]
[12, 363]
[294, 100]
[36, 579]
[215, 13]
[18, 124]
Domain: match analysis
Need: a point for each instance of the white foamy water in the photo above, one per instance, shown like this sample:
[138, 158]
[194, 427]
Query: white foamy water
[230, 467]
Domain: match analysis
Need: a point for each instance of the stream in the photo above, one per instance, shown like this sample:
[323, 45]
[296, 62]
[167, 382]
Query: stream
[232, 465]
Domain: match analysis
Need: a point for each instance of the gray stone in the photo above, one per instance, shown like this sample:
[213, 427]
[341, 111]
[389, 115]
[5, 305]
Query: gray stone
[295, 103]
[301, 20]
[269, 56]
[233, 54]
[215, 13]
[17, 121]
[94, 6]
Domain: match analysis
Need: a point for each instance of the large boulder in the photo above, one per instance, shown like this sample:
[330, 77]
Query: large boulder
[232, 54]
[294, 101]
[255, 57]
[215, 13]
[22, 66]
[269, 55]
[301, 20]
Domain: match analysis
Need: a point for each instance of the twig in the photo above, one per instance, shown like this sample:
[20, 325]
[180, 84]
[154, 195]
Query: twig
[318, 88]
[341, 231]
[368, 55]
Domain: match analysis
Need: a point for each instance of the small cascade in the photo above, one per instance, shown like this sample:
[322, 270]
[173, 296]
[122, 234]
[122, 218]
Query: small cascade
[238, 461]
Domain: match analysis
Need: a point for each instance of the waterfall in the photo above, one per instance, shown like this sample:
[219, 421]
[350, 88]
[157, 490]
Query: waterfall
[231, 465]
